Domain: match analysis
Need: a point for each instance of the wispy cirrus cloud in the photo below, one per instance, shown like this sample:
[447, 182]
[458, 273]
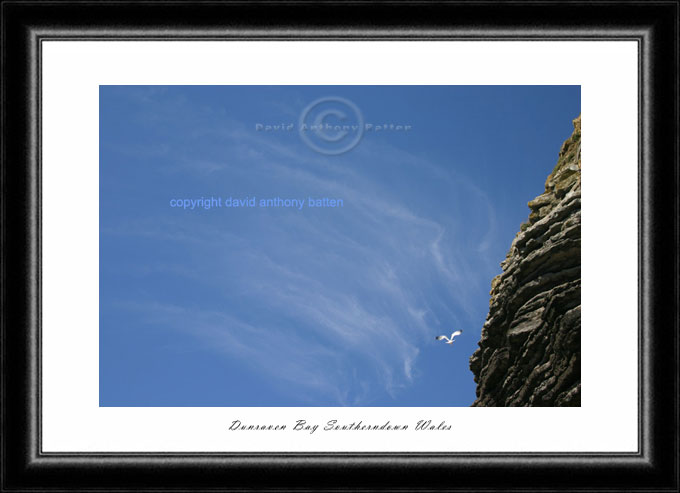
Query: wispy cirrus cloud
[341, 302]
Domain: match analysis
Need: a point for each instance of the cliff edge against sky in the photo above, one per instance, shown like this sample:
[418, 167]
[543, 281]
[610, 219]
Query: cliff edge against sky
[530, 350]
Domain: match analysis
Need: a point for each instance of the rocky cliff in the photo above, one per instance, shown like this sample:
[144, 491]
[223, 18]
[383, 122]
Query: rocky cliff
[530, 350]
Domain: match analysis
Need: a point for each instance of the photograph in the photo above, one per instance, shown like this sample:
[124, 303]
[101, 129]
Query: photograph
[339, 246]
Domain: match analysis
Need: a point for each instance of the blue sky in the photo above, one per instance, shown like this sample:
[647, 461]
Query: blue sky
[314, 306]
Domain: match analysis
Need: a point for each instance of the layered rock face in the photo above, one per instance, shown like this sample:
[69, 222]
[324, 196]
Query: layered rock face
[530, 350]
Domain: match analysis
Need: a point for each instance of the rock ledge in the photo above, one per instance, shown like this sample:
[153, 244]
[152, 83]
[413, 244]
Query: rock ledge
[530, 350]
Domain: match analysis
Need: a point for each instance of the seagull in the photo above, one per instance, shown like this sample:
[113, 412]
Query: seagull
[447, 339]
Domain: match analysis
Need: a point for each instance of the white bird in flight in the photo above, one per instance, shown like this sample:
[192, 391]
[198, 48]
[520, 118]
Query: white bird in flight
[447, 339]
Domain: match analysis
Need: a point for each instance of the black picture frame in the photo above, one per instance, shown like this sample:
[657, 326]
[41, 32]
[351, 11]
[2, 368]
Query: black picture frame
[654, 25]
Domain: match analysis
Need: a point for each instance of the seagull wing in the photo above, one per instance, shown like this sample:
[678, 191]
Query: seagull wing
[456, 333]
[439, 338]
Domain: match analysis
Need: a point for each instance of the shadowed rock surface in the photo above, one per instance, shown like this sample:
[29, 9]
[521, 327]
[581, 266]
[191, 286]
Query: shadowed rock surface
[530, 350]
